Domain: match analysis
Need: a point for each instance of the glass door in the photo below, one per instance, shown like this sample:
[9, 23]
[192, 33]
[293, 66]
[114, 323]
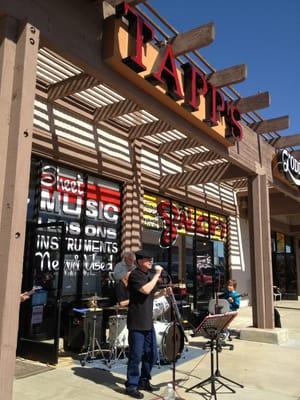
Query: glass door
[40, 315]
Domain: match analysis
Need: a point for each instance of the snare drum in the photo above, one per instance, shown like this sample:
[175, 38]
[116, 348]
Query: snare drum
[118, 332]
[160, 306]
[165, 340]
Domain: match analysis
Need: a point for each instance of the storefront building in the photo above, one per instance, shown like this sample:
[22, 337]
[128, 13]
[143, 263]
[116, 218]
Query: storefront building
[119, 153]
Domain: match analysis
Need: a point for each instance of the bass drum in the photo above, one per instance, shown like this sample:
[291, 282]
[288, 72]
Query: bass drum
[165, 340]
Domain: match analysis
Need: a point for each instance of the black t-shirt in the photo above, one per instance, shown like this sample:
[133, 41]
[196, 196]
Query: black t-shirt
[121, 292]
[140, 308]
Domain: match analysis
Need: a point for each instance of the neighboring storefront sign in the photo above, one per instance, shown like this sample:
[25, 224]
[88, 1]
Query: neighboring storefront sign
[290, 167]
[90, 209]
[173, 219]
[128, 49]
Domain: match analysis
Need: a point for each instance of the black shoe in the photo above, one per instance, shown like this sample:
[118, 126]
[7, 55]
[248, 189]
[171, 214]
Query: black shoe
[148, 387]
[134, 393]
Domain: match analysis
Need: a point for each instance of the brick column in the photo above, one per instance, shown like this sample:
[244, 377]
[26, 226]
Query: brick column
[260, 252]
[133, 204]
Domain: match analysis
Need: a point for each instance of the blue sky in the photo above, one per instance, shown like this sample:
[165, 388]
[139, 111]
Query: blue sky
[263, 34]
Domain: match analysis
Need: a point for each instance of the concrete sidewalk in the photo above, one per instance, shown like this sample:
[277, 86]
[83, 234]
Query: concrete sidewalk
[268, 372]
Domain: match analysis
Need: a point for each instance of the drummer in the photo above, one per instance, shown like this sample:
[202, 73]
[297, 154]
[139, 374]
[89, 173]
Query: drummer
[126, 263]
[121, 288]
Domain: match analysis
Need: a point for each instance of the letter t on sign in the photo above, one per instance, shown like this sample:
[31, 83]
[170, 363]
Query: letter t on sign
[164, 72]
[140, 32]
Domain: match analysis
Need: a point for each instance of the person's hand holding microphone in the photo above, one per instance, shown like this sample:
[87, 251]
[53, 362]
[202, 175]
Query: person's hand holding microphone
[158, 269]
[166, 291]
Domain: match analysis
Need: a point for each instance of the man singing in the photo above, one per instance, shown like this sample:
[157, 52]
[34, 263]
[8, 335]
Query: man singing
[142, 342]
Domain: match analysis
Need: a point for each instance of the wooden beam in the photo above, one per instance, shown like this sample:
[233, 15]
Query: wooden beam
[287, 141]
[260, 252]
[8, 33]
[72, 85]
[296, 154]
[180, 144]
[16, 173]
[252, 103]
[114, 3]
[271, 125]
[228, 76]
[281, 204]
[212, 173]
[152, 128]
[115, 110]
[241, 183]
[200, 157]
[194, 39]
[295, 228]
[79, 47]
[107, 9]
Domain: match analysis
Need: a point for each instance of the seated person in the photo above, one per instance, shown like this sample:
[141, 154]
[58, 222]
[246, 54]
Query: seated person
[231, 295]
[121, 288]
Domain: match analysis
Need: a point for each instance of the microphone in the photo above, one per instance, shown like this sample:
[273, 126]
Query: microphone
[158, 268]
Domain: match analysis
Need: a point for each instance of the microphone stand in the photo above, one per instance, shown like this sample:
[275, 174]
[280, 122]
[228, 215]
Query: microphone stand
[175, 320]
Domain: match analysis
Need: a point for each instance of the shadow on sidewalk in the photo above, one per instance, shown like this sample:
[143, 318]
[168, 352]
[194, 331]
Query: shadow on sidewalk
[101, 377]
[106, 378]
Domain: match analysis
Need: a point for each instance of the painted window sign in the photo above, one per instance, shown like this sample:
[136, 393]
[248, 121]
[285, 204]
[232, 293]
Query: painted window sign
[173, 219]
[64, 194]
[90, 208]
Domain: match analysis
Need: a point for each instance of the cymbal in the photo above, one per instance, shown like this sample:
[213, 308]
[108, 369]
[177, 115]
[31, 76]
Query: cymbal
[91, 298]
[116, 308]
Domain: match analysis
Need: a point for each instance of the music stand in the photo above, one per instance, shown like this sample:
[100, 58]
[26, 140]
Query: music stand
[211, 327]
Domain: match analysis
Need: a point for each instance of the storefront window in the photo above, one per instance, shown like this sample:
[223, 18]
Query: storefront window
[90, 209]
[190, 243]
[289, 244]
[284, 264]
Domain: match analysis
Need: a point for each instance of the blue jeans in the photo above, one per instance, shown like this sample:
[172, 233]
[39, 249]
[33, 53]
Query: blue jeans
[142, 348]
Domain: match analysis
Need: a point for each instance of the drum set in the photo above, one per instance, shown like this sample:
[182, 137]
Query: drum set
[166, 334]
[170, 337]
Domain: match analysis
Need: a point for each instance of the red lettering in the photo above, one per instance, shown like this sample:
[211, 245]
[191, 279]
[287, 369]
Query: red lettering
[140, 32]
[194, 85]
[170, 218]
[215, 105]
[166, 73]
[202, 224]
[234, 128]
[218, 228]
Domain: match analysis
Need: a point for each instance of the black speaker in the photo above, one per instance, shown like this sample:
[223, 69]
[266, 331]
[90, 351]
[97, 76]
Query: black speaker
[277, 319]
[80, 329]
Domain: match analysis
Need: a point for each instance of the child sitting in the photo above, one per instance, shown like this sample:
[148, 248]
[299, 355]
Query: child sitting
[231, 295]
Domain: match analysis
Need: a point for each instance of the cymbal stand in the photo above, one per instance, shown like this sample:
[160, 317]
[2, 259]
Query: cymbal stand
[175, 321]
[94, 348]
[115, 354]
